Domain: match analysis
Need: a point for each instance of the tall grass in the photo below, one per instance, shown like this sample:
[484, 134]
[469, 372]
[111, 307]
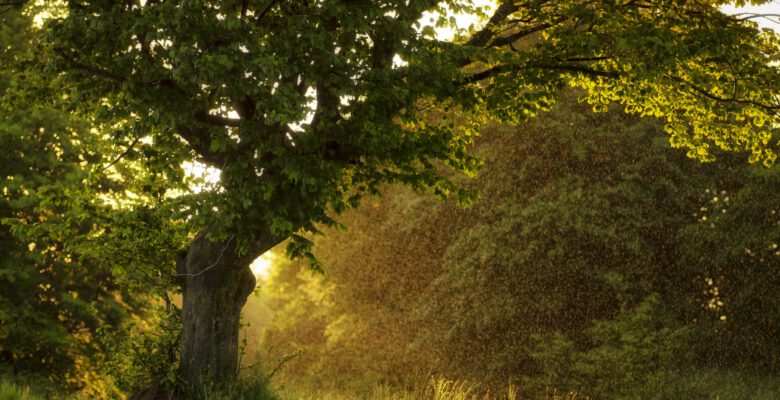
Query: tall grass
[253, 388]
[11, 391]
[704, 385]
[436, 389]
[552, 394]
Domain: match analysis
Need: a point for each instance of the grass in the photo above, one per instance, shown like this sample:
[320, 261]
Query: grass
[437, 389]
[246, 389]
[698, 385]
[11, 391]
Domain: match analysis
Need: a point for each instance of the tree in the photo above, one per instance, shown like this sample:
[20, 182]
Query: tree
[53, 304]
[304, 106]
[565, 233]
[734, 245]
[583, 266]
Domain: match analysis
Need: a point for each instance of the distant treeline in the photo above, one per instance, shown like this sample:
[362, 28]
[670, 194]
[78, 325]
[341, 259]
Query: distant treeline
[598, 259]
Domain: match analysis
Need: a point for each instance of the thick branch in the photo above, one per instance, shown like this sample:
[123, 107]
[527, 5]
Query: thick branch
[506, 40]
[244, 8]
[483, 37]
[265, 11]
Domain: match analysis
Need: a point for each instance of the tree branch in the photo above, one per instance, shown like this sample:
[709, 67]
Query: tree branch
[244, 8]
[265, 11]
[483, 37]
[502, 69]
[697, 89]
[505, 40]
[124, 153]
[219, 258]
[91, 68]
[167, 82]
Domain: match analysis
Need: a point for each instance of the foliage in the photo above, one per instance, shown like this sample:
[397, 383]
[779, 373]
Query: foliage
[735, 245]
[306, 106]
[720, 383]
[591, 232]
[575, 269]
[324, 114]
[145, 353]
[624, 355]
[52, 301]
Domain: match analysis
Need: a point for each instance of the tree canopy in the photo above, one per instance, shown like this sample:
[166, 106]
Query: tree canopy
[302, 107]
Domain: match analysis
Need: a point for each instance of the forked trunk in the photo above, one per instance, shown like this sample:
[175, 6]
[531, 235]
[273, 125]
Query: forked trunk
[215, 285]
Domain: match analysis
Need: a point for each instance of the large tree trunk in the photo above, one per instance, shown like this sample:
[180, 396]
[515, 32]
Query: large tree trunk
[216, 282]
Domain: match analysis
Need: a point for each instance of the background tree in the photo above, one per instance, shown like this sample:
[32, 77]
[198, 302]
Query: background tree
[735, 246]
[324, 114]
[584, 266]
[54, 305]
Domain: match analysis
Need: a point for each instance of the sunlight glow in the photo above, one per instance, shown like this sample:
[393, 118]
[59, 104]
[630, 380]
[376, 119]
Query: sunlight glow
[261, 267]
[201, 176]
[462, 21]
[770, 13]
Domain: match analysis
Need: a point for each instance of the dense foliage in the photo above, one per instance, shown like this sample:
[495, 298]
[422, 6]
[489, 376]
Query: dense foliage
[321, 112]
[54, 305]
[597, 259]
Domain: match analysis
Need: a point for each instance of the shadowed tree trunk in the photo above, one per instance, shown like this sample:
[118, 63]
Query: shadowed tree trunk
[216, 282]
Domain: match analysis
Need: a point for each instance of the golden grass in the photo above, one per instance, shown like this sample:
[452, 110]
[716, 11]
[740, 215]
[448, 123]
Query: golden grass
[436, 389]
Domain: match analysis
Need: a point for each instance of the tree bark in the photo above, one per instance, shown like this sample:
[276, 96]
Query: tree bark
[216, 282]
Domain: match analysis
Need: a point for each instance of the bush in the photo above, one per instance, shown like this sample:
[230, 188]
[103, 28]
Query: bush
[620, 358]
[145, 354]
[709, 385]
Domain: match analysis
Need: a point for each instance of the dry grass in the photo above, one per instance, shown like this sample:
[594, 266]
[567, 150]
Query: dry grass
[552, 394]
[436, 389]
